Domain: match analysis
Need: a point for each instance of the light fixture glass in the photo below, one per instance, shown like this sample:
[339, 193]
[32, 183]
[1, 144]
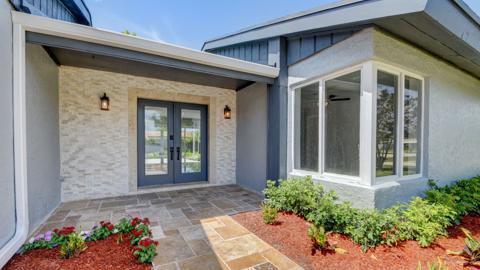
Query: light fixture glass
[104, 102]
[227, 112]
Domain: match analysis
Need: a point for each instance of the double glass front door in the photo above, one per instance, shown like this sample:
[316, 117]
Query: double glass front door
[172, 142]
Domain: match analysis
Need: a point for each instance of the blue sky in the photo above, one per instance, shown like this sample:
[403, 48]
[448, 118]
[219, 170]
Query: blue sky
[190, 22]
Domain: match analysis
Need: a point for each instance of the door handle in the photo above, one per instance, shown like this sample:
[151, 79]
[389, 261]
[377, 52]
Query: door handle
[178, 153]
[171, 153]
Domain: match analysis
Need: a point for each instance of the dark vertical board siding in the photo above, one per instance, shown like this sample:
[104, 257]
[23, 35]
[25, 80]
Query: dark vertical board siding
[337, 37]
[256, 52]
[307, 45]
[263, 53]
[322, 42]
[49, 8]
[293, 51]
[242, 52]
[304, 46]
[248, 52]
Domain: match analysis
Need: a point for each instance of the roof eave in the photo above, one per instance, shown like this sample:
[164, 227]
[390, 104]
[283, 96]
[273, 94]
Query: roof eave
[58, 28]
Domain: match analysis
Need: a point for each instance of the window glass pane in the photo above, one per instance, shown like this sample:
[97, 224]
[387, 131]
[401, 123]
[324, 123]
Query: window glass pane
[190, 137]
[306, 128]
[342, 124]
[412, 125]
[156, 141]
[386, 123]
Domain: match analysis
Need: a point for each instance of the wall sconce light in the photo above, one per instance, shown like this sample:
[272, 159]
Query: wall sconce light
[227, 112]
[104, 102]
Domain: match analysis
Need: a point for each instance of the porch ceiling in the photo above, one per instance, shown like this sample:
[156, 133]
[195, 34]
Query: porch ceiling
[106, 58]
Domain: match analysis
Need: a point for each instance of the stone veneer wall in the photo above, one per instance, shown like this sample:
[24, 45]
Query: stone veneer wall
[98, 148]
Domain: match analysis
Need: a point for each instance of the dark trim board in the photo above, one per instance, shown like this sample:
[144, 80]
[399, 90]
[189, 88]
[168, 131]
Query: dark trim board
[120, 53]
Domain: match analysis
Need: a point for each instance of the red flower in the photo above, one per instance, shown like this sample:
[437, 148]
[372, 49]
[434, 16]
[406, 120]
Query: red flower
[146, 221]
[110, 227]
[137, 233]
[147, 242]
[135, 221]
[65, 230]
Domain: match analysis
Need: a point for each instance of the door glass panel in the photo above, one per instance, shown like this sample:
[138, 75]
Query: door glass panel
[191, 141]
[386, 123]
[342, 124]
[156, 141]
[306, 128]
[411, 130]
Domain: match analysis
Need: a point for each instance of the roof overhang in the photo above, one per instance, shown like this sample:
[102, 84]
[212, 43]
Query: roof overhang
[84, 46]
[446, 28]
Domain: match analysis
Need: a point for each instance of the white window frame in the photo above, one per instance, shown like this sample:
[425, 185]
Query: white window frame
[401, 74]
[368, 124]
[321, 125]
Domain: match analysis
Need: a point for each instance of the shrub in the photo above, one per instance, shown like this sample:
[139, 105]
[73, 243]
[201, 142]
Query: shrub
[298, 195]
[462, 196]
[471, 251]
[73, 246]
[370, 228]
[146, 250]
[318, 236]
[269, 214]
[423, 221]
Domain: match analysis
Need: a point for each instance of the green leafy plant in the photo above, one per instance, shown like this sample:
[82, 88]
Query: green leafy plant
[269, 214]
[101, 232]
[141, 230]
[370, 228]
[73, 246]
[462, 196]
[423, 221]
[124, 226]
[72, 242]
[298, 195]
[438, 265]
[146, 250]
[471, 251]
[318, 236]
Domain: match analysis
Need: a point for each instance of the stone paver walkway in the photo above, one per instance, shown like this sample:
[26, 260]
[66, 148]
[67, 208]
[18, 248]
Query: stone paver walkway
[192, 226]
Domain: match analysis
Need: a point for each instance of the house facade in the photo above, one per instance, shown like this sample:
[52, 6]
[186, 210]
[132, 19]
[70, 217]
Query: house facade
[370, 98]
[374, 98]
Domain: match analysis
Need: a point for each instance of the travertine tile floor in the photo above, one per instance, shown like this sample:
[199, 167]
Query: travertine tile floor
[193, 227]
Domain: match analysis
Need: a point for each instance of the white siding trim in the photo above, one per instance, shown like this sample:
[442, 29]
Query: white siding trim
[20, 143]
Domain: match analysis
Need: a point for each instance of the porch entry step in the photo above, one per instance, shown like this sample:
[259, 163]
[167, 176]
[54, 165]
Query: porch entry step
[171, 142]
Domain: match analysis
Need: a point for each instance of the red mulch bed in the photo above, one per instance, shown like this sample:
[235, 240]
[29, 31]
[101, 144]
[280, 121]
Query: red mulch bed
[100, 255]
[289, 236]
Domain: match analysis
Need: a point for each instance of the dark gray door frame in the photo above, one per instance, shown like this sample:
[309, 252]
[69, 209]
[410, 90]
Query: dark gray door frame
[174, 174]
[148, 180]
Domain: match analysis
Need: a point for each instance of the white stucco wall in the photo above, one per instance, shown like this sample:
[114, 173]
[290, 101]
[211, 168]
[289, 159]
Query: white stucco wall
[452, 113]
[7, 180]
[43, 151]
[252, 137]
[98, 148]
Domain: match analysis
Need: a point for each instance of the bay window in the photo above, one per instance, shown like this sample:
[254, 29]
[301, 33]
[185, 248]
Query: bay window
[361, 124]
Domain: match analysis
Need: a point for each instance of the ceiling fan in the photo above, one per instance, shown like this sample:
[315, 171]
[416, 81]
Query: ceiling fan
[336, 98]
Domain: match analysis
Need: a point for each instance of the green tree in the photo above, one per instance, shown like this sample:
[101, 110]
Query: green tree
[126, 32]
